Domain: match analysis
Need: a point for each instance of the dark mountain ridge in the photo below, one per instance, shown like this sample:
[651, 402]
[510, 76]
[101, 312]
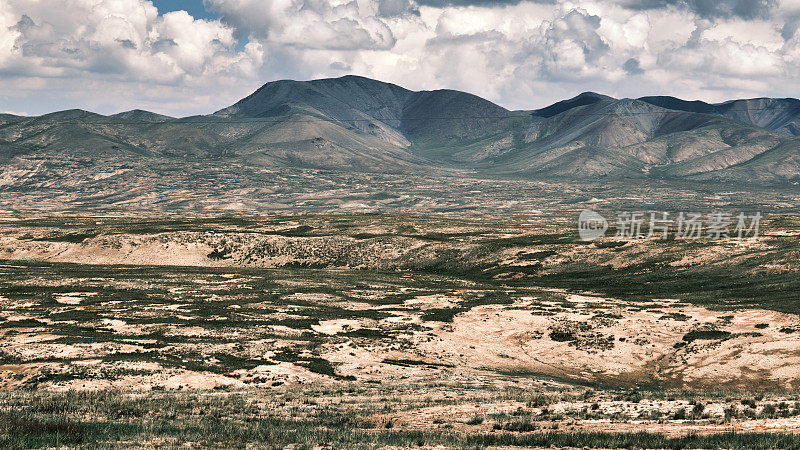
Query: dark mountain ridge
[140, 115]
[583, 99]
[777, 114]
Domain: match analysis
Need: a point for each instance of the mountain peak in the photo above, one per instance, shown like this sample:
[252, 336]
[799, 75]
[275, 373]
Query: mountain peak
[695, 106]
[582, 99]
[339, 98]
[70, 114]
[140, 115]
[592, 95]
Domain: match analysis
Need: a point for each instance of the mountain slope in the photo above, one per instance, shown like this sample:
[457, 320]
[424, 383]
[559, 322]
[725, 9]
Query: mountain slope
[284, 123]
[633, 138]
[355, 124]
[140, 115]
[777, 114]
[77, 133]
[366, 105]
[387, 111]
[586, 98]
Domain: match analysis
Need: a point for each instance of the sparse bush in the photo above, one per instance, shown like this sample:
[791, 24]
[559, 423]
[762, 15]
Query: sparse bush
[521, 412]
[655, 414]
[712, 335]
[633, 397]
[475, 420]
[538, 401]
[768, 411]
[519, 426]
[697, 410]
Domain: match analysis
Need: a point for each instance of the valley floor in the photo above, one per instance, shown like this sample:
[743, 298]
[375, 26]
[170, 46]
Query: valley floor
[378, 330]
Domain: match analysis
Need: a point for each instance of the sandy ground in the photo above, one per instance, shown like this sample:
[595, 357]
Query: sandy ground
[593, 339]
[201, 323]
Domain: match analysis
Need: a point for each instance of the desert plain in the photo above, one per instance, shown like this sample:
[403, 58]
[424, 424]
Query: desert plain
[391, 329]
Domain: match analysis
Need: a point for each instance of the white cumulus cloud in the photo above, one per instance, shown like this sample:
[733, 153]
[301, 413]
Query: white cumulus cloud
[124, 46]
[114, 54]
[309, 24]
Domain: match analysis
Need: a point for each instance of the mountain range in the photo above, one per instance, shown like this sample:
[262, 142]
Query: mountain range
[359, 124]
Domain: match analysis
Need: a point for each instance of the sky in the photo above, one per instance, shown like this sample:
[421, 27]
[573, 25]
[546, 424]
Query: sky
[195, 8]
[195, 57]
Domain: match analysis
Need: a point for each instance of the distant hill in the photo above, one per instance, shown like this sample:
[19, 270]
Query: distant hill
[777, 114]
[586, 98]
[356, 124]
[387, 111]
[140, 115]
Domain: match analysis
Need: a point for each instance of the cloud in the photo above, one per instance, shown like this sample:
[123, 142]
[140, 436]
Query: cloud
[341, 67]
[446, 3]
[572, 45]
[395, 8]
[126, 38]
[632, 67]
[710, 9]
[312, 24]
[520, 53]
[124, 48]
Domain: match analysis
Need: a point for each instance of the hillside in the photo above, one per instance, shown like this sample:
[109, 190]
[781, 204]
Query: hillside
[593, 135]
[356, 124]
[777, 114]
[140, 115]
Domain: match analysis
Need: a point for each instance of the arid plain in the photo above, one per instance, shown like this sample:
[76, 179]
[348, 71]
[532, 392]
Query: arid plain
[394, 329]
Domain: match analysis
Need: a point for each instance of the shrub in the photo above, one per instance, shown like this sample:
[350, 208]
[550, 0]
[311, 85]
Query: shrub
[519, 426]
[476, 420]
[710, 335]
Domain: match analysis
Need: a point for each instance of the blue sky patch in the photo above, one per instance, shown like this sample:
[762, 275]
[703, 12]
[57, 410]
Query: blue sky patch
[194, 7]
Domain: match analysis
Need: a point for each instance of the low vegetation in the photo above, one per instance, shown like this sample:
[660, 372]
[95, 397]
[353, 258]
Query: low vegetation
[372, 330]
